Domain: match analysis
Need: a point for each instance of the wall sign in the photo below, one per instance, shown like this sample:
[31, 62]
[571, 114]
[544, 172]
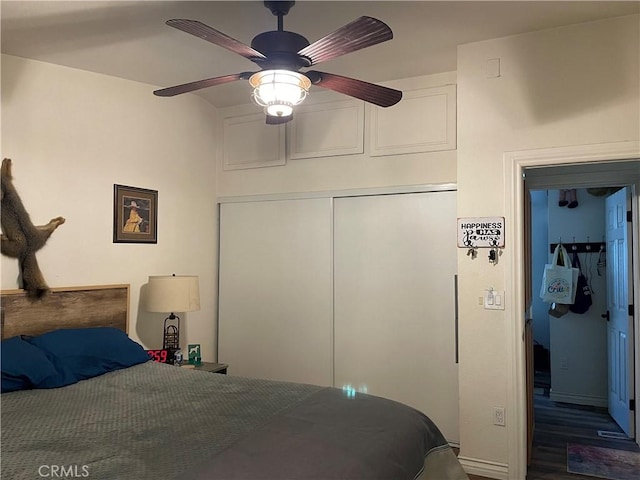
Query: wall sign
[481, 232]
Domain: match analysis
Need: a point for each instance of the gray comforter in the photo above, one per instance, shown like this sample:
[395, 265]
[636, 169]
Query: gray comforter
[156, 421]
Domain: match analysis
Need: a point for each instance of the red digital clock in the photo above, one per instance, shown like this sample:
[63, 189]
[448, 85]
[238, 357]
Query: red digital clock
[161, 356]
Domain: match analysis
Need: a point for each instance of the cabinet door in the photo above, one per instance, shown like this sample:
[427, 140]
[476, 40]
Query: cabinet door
[267, 145]
[394, 267]
[275, 298]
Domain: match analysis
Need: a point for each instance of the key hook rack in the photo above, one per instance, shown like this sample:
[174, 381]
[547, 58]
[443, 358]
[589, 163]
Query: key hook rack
[580, 247]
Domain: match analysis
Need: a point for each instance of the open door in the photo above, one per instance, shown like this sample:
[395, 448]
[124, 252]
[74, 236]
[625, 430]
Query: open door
[620, 322]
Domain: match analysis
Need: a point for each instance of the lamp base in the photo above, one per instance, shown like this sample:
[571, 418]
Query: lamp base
[171, 332]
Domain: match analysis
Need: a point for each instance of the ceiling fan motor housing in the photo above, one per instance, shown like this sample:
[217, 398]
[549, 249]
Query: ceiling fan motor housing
[279, 8]
[281, 49]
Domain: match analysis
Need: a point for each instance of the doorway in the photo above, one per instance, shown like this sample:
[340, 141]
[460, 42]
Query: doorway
[572, 347]
[608, 164]
[572, 394]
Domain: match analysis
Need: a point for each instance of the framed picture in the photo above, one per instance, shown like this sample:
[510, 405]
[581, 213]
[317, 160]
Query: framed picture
[194, 354]
[135, 215]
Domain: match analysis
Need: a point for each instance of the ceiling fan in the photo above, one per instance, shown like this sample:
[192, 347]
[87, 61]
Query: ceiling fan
[279, 85]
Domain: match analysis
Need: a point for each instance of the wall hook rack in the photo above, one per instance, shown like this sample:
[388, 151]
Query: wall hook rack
[579, 247]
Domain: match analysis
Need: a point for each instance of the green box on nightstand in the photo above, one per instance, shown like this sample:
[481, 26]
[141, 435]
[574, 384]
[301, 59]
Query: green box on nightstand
[195, 358]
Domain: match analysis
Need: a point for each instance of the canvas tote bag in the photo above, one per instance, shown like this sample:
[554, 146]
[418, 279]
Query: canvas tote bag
[559, 280]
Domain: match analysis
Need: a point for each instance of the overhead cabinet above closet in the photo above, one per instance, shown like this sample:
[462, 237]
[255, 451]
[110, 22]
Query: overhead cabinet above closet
[423, 121]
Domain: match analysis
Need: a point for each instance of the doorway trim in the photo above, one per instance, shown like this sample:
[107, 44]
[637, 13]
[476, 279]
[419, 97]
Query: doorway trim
[515, 164]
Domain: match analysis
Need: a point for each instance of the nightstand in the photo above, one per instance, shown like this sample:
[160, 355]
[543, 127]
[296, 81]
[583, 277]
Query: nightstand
[211, 367]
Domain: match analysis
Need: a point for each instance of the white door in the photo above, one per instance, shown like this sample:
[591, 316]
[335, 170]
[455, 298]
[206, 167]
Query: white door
[394, 268]
[619, 328]
[275, 299]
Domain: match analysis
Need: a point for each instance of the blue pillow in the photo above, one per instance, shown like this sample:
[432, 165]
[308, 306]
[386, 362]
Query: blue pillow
[25, 366]
[89, 352]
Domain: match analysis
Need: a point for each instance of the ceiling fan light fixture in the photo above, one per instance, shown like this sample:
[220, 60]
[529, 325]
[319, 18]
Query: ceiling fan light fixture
[279, 90]
[278, 109]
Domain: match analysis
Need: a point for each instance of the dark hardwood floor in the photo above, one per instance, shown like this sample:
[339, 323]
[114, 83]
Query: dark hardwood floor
[556, 425]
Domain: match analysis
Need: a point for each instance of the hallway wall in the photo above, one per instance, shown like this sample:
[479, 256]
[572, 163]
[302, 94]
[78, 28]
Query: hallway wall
[578, 342]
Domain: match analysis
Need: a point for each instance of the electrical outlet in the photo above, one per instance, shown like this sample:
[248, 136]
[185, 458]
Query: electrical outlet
[564, 363]
[498, 416]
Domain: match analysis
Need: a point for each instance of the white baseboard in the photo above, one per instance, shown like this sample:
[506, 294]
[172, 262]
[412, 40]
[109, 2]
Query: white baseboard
[578, 399]
[485, 468]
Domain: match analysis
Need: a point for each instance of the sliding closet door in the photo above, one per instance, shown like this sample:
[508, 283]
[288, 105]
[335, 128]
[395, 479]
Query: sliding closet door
[275, 297]
[394, 267]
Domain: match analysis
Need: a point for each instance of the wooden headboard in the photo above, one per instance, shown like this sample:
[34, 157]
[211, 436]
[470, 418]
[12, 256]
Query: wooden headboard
[66, 307]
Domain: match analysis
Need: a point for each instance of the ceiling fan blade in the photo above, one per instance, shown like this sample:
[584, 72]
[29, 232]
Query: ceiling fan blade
[209, 82]
[273, 120]
[212, 35]
[361, 33]
[369, 92]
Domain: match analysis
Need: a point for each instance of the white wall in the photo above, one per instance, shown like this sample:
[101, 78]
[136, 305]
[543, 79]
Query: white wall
[72, 135]
[579, 341]
[574, 85]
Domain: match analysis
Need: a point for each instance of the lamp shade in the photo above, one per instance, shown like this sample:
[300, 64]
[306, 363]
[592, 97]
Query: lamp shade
[173, 293]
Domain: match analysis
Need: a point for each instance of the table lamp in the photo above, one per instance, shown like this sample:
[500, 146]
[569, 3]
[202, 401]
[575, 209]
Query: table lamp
[170, 294]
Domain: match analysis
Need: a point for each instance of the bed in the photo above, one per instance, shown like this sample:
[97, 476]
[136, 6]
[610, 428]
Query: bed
[155, 421]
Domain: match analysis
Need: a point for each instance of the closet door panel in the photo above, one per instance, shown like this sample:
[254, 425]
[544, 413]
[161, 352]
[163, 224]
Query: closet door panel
[394, 267]
[275, 298]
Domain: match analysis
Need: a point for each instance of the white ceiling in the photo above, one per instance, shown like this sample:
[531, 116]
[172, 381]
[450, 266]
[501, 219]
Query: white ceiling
[130, 39]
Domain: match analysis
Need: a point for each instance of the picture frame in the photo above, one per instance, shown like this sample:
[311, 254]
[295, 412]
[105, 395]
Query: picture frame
[135, 215]
[193, 352]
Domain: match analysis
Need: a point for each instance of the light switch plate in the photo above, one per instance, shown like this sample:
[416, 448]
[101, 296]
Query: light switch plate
[494, 299]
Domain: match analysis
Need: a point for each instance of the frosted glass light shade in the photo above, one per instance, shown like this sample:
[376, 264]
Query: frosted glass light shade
[279, 90]
[173, 293]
